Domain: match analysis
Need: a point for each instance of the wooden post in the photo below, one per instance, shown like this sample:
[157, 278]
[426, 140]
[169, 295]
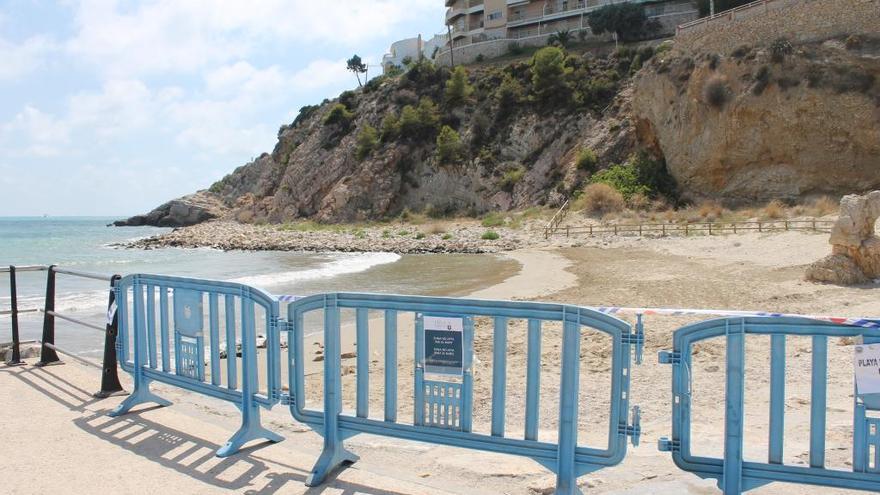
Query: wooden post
[710, 228]
[591, 229]
[814, 225]
[786, 225]
[734, 227]
[567, 233]
[685, 230]
[759, 227]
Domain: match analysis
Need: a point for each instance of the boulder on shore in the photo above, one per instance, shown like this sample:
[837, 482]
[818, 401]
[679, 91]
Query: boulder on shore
[181, 212]
[855, 251]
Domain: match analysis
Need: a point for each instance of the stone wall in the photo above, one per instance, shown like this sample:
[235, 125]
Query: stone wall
[797, 20]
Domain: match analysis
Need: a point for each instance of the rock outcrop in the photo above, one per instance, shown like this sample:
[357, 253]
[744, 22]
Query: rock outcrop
[776, 121]
[188, 210]
[855, 252]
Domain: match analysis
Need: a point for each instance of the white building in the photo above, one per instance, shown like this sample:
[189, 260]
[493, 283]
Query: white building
[412, 49]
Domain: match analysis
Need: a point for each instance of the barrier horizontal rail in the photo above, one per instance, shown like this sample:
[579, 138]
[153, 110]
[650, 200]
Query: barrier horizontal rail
[735, 474]
[25, 268]
[20, 311]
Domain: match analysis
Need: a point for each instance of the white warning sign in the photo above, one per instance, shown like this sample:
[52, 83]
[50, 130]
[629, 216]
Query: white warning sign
[866, 359]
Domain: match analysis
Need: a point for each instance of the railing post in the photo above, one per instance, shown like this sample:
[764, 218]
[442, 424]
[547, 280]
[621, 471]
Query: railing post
[110, 377]
[49, 356]
[13, 299]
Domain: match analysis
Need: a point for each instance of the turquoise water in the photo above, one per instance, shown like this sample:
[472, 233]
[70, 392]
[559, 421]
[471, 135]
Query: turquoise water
[85, 243]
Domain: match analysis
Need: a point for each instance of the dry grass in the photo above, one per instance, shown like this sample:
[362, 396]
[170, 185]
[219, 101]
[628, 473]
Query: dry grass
[600, 199]
[639, 202]
[823, 206]
[710, 210]
[774, 210]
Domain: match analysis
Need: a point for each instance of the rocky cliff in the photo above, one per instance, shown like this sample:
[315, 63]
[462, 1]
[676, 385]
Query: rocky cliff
[778, 120]
[514, 148]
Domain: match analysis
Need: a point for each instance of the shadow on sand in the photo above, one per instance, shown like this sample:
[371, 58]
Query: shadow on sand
[174, 449]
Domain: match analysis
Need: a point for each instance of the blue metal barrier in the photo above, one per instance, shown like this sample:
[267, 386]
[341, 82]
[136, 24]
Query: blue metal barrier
[185, 327]
[735, 475]
[443, 407]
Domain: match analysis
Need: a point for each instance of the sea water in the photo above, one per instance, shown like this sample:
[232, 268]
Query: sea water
[87, 244]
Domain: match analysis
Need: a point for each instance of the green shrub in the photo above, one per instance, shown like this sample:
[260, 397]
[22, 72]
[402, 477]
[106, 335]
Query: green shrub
[419, 122]
[762, 80]
[304, 113]
[493, 220]
[390, 127]
[449, 147]
[338, 115]
[779, 49]
[716, 92]
[490, 235]
[367, 141]
[420, 235]
[511, 178]
[480, 58]
[509, 94]
[446, 236]
[514, 48]
[627, 20]
[624, 178]
[641, 174]
[347, 98]
[458, 90]
[741, 51]
[548, 74]
[586, 160]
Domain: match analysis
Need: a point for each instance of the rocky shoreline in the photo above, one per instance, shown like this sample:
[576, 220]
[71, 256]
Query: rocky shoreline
[394, 238]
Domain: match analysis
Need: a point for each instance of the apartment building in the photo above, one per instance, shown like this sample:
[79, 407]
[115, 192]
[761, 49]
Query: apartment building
[474, 21]
[413, 49]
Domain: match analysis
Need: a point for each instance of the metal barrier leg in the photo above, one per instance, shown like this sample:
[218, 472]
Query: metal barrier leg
[141, 393]
[110, 385]
[47, 354]
[16, 345]
[334, 453]
[251, 429]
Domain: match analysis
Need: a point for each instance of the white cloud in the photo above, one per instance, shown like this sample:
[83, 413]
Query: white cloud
[40, 133]
[17, 60]
[185, 36]
[120, 106]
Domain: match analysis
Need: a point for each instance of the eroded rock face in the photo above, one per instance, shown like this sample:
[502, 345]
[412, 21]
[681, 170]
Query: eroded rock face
[855, 252]
[181, 212]
[748, 129]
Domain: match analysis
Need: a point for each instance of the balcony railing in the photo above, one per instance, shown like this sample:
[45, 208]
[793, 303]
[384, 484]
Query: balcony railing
[560, 8]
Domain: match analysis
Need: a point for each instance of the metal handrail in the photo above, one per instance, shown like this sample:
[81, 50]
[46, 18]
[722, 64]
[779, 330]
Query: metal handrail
[49, 351]
[78, 273]
[25, 268]
[724, 14]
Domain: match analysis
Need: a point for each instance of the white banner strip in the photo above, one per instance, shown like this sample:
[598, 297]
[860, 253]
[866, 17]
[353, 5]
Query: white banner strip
[621, 310]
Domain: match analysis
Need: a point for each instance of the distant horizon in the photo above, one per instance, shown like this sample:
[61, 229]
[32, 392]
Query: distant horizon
[183, 94]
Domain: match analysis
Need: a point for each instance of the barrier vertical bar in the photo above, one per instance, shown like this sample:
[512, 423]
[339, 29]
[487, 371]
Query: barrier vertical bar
[566, 475]
[334, 453]
[499, 375]
[533, 379]
[818, 398]
[250, 429]
[13, 301]
[141, 393]
[777, 398]
[110, 376]
[733, 417]
[363, 362]
[47, 355]
[214, 319]
[467, 379]
[163, 329]
[151, 326]
[390, 366]
[419, 380]
[231, 346]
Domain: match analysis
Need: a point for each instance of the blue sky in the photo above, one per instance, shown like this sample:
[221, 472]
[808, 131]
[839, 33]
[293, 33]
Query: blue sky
[113, 107]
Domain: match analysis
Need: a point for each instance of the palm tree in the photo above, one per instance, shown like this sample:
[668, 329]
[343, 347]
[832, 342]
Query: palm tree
[560, 38]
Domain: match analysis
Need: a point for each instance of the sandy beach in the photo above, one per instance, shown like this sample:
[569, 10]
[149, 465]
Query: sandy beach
[170, 448]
